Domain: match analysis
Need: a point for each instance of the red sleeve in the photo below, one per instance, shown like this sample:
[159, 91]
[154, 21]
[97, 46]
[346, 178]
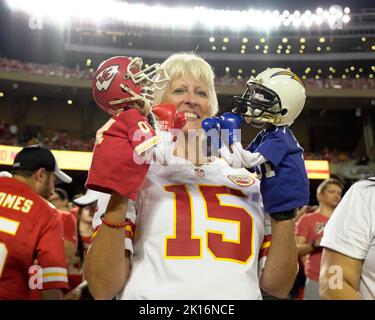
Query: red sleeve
[70, 227]
[302, 226]
[115, 166]
[51, 253]
[139, 130]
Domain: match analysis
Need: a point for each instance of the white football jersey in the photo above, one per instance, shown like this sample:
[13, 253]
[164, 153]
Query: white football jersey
[199, 234]
[351, 231]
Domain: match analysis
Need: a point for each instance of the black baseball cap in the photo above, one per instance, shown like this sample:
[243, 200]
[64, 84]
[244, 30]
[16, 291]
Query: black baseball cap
[35, 157]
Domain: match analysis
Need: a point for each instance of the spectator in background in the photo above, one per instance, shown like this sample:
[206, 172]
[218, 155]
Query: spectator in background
[88, 205]
[30, 227]
[60, 199]
[348, 261]
[299, 284]
[309, 231]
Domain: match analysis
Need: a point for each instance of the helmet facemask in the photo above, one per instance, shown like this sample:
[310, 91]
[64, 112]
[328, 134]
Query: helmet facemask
[258, 104]
[149, 78]
[154, 76]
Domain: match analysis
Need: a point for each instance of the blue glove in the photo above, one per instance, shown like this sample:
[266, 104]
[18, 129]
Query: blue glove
[212, 128]
[231, 122]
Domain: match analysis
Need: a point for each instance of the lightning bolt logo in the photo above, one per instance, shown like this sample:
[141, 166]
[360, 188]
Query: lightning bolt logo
[288, 73]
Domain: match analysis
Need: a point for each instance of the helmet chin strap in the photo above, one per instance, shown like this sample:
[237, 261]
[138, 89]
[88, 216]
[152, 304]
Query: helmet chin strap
[259, 122]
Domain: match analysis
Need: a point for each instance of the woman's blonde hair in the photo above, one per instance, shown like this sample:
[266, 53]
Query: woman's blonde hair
[179, 65]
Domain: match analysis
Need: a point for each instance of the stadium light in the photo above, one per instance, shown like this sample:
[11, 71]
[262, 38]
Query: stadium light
[319, 11]
[93, 11]
[346, 18]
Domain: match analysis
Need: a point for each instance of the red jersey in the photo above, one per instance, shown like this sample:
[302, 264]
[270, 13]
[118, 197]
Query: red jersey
[74, 211]
[69, 222]
[113, 166]
[29, 229]
[311, 227]
[75, 275]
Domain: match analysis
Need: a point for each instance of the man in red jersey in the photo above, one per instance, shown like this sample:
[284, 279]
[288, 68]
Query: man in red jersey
[309, 232]
[30, 228]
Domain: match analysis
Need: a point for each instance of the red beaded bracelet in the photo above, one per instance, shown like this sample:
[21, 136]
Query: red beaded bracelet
[113, 225]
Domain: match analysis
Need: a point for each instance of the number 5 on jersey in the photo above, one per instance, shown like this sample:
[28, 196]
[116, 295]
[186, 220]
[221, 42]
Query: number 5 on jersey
[10, 227]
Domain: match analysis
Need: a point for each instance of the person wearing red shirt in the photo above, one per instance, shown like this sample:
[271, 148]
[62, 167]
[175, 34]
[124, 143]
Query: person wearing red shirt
[309, 231]
[59, 198]
[30, 228]
[88, 205]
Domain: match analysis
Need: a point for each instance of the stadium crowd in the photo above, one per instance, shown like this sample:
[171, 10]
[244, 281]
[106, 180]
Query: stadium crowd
[60, 140]
[55, 70]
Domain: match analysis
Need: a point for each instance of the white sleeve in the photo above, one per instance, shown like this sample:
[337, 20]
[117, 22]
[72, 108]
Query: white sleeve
[130, 216]
[348, 231]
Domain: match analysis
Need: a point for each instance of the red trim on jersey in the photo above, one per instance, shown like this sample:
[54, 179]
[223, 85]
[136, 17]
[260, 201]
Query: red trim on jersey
[55, 284]
[263, 252]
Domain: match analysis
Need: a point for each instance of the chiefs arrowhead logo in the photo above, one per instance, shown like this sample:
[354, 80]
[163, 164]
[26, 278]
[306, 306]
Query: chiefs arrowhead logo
[104, 78]
[243, 181]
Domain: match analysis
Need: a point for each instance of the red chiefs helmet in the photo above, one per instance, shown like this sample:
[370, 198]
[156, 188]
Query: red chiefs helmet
[120, 81]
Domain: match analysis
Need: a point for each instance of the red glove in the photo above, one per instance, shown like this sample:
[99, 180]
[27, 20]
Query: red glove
[180, 120]
[114, 166]
[169, 117]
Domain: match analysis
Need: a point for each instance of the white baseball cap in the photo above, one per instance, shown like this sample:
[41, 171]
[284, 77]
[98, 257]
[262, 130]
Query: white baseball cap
[90, 197]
